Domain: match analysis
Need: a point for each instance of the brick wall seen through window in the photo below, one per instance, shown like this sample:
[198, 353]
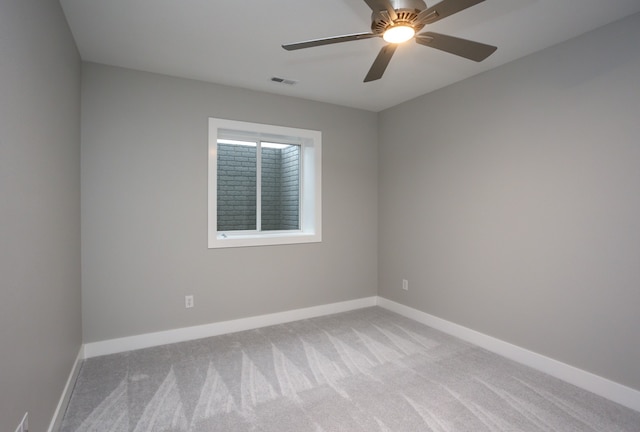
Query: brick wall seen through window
[237, 188]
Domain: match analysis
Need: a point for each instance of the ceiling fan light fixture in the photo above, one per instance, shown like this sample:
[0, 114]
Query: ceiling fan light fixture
[398, 34]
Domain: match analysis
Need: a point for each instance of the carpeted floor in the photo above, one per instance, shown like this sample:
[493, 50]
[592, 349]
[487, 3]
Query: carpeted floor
[368, 370]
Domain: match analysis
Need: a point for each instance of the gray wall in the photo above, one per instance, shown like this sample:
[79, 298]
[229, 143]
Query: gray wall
[40, 326]
[511, 202]
[144, 207]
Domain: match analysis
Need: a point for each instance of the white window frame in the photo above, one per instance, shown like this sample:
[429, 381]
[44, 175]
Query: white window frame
[310, 142]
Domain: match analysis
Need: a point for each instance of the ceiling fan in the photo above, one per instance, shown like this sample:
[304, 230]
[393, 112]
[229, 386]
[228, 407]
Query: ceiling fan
[397, 21]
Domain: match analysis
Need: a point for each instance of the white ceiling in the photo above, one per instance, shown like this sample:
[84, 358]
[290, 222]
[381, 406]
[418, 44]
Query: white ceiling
[238, 42]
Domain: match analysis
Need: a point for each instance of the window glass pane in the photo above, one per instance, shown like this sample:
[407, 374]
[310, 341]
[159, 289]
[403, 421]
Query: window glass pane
[280, 187]
[236, 201]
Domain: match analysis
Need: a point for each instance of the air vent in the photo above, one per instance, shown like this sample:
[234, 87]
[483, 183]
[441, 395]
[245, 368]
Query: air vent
[283, 81]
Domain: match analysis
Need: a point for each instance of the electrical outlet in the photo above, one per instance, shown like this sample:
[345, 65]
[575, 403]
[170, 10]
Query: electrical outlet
[405, 284]
[24, 424]
[188, 301]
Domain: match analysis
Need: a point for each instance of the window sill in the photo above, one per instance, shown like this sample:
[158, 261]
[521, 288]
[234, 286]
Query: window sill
[263, 239]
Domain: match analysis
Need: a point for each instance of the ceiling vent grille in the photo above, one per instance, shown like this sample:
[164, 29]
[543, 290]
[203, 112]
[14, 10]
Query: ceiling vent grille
[286, 81]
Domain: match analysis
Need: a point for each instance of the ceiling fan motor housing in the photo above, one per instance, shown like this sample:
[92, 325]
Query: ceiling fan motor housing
[406, 10]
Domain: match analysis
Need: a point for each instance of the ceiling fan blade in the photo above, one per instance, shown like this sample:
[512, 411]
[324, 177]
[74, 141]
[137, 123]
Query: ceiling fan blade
[328, 41]
[378, 6]
[444, 9]
[381, 62]
[373, 4]
[471, 50]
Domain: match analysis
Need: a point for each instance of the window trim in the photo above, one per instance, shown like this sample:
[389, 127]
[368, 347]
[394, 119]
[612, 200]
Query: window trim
[310, 142]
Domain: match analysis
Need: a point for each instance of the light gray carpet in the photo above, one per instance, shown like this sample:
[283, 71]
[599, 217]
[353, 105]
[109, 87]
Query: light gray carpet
[368, 370]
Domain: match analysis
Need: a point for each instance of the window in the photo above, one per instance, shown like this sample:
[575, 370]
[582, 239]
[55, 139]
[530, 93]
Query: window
[264, 184]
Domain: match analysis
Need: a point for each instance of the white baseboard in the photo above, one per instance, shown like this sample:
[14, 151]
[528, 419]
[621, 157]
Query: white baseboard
[580, 378]
[54, 426]
[147, 340]
[596, 384]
